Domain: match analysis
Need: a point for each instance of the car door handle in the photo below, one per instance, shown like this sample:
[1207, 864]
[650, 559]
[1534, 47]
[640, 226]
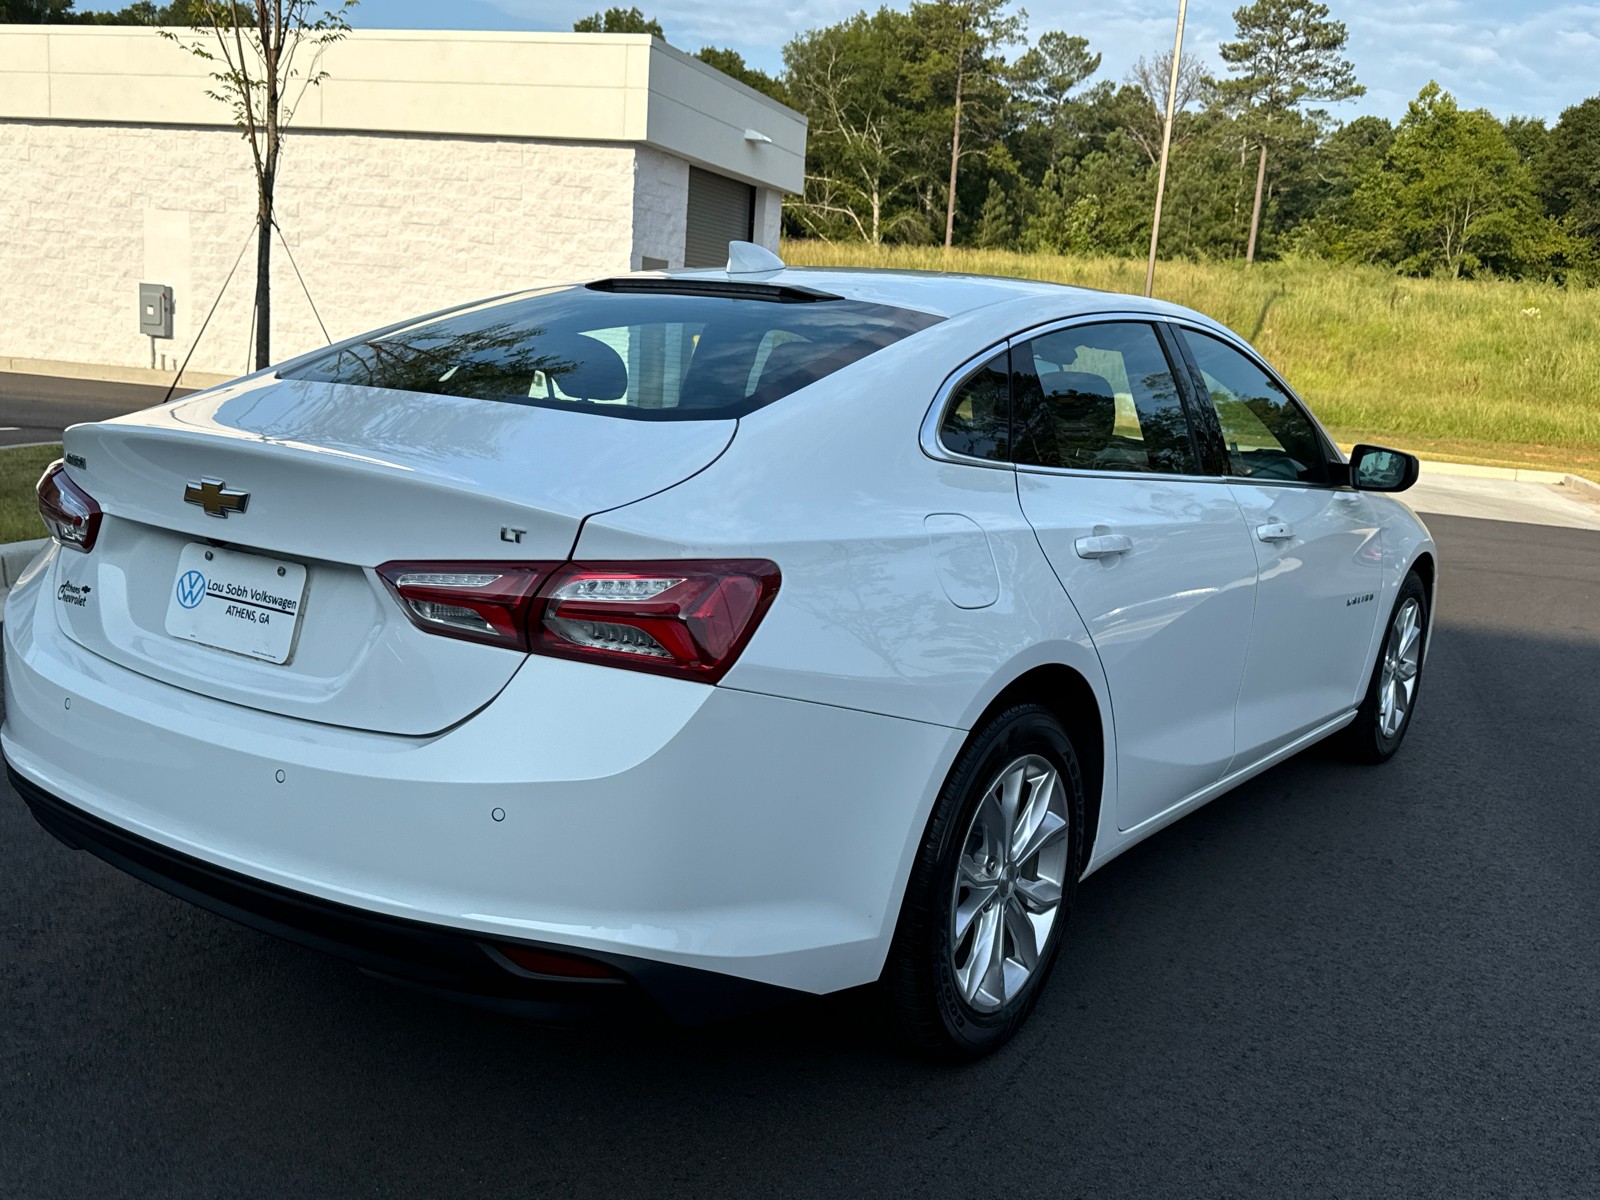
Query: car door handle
[1278, 532]
[1103, 546]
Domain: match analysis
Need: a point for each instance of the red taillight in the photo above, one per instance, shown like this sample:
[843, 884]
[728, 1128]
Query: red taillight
[685, 618]
[542, 962]
[478, 601]
[69, 512]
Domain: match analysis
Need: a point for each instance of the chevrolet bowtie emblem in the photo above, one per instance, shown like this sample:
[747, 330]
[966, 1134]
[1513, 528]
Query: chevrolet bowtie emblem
[217, 500]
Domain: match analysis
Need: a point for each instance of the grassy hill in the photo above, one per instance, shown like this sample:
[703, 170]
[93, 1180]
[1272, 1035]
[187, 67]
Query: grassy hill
[1493, 372]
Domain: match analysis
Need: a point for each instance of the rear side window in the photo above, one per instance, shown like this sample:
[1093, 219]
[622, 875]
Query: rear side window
[652, 355]
[978, 415]
[1100, 398]
[1266, 433]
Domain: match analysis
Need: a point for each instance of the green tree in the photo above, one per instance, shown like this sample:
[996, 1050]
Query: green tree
[1146, 121]
[36, 12]
[1063, 223]
[731, 62]
[1567, 168]
[867, 139]
[619, 20]
[996, 227]
[960, 69]
[1343, 160]
[1452, 196]
[1528, 136]
[1045, 82]
[1287, 54]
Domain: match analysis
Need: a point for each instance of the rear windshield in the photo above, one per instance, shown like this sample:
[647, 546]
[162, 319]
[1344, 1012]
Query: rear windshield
[651, 356]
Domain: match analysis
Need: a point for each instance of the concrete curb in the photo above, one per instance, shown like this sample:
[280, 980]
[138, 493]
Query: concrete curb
[105, 373]
[1588, 488]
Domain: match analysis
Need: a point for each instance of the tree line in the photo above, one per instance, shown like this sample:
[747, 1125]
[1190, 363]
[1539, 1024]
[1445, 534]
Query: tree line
[946, 123]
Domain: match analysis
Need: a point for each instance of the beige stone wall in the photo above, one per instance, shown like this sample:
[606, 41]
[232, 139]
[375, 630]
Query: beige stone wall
[660, 208]
[383, 226]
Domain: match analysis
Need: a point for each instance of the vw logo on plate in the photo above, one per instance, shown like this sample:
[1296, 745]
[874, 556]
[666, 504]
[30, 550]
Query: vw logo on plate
[191, 588]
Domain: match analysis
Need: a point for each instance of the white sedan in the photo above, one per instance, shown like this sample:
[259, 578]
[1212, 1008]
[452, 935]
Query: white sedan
[706, 638]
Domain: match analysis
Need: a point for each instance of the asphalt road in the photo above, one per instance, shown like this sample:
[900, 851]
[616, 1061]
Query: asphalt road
[36, 408]
[1333, 982]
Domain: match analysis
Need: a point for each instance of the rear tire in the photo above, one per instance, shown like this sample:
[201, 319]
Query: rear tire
[1385, 714]
[991, 888]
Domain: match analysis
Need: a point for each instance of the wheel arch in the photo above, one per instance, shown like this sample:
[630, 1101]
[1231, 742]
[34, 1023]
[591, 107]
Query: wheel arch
[1427, 569]
[1425, 566]
[1067, 694]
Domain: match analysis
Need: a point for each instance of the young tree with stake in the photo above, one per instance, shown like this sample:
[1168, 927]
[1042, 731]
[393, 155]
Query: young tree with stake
[1287, 53]
[253, 47]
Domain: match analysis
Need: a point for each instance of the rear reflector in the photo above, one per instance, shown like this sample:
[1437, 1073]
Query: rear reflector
[70, 513]
[477, 601]
[541, 962]
[687, 618]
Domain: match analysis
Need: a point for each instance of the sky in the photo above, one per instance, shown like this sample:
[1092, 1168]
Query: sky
[1513, 57]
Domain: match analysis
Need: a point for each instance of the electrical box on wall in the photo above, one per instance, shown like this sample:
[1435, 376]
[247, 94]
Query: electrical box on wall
[155, 310]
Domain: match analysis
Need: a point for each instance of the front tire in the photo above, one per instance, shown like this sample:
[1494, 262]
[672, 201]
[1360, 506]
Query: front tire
[991, 888]
[1385, 713]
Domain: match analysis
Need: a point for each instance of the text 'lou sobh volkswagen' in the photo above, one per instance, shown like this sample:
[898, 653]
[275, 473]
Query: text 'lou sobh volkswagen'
[705, 638]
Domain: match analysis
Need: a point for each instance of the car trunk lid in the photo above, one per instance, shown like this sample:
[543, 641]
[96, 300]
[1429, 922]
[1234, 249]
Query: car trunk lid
[338, 479]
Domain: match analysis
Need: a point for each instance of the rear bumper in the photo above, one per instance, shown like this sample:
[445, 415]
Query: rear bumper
[639, 821]
[444, 962]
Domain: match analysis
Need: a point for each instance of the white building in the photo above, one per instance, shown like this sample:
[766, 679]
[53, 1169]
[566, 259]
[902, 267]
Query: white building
[428, 168]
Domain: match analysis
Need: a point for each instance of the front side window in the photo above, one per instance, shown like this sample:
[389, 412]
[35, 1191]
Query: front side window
[662, 354]
[1266, 433]
[1100, 398]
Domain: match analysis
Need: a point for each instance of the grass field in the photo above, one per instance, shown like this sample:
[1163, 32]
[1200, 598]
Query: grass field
[20, 469]
[1493, 372]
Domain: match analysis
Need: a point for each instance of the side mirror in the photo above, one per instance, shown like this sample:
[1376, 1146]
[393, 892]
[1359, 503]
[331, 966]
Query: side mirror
[1377, 469]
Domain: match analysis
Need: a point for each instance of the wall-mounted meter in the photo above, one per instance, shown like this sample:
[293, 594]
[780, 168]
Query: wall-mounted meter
[155, 310]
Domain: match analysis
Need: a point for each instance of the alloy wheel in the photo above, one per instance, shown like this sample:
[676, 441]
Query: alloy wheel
[1009, 877]
[1402, 660]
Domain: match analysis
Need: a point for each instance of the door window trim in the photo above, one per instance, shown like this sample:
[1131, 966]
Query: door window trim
[1170, 332]
[928, 437]
[1154, 324]
[931, 424]
[1332, 455]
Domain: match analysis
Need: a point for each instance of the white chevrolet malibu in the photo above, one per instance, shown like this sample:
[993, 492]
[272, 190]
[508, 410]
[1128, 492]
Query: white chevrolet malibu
[706, 638]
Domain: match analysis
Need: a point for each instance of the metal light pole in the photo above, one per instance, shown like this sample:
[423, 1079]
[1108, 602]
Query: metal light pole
[1166, 143]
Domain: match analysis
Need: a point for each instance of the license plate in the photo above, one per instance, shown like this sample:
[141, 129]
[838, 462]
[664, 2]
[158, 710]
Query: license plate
[239, 602]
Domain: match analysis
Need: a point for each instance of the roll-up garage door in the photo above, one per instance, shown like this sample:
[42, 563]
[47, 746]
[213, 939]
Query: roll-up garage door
[721, 210]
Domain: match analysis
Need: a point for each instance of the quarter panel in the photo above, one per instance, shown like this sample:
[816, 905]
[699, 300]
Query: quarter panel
[832, 485]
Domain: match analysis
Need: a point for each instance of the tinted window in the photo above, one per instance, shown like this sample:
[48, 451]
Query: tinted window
[977, 418]
[665, 356]
[1266, 434]
[1102, 398]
